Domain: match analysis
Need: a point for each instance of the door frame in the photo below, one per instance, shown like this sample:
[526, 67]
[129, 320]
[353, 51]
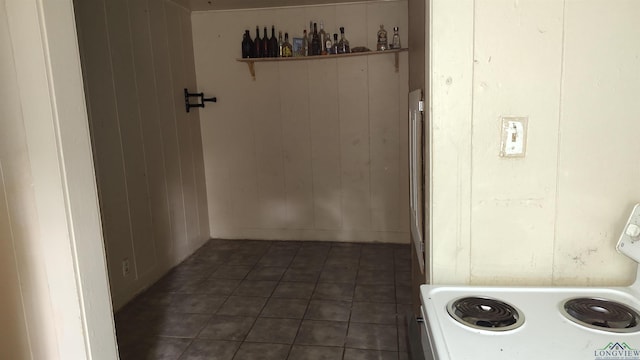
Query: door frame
[47, 66]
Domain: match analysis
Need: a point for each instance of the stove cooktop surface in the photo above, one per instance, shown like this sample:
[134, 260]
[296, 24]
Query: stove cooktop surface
[535, 324]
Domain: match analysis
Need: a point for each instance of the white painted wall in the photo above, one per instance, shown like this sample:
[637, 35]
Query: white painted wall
[311, 150]
[137, 59]
[554, 216]
[55, 301]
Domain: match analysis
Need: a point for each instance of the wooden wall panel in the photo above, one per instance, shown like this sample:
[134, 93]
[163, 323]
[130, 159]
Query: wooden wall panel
[310, 150]
[145, 146]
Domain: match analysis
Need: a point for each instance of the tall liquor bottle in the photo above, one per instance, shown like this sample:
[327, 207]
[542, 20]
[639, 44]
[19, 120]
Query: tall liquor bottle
[257, 45]
[334, 48]
[310, 33]
[343, 44]
[395, 41]
[287, 49]
[323, 39]
[265, 44]
[273, 43]
[280, 44]
[305, 44]
[383, 44]
[247, 45]
[316, 45]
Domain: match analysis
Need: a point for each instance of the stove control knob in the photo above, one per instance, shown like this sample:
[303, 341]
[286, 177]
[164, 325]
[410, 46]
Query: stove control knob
[633, 231]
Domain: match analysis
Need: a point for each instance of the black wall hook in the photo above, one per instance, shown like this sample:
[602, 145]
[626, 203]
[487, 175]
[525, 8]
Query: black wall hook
[188, 105]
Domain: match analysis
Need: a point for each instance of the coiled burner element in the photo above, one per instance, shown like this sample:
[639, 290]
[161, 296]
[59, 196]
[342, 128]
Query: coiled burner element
[601, 314]
[485, 313]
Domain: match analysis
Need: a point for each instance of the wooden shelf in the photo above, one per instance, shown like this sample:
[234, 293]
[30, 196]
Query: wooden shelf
[251, 61]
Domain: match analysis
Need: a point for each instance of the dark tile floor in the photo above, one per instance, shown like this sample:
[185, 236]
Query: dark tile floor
[273, 300]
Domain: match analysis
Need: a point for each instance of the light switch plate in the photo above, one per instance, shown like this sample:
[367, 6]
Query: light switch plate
[513, 136]
[629, 242]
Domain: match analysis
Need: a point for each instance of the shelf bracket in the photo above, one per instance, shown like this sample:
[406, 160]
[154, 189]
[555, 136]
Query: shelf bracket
[397, 55]
[252, 70]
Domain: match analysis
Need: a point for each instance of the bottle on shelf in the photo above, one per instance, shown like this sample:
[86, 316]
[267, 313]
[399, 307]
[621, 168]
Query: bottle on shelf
[265, 44]
[305, 43]
[316, 45]
[382, 39]
[395, 41]
[328, 45]
[334, 48]
[287, 49]
[310, 33]
[247, 45]
[257, 45]
[323, 39]
[343, 44]
[273, 43]
[280, 44]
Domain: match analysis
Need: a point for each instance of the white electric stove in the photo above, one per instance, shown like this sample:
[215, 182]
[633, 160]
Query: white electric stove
[519, 323]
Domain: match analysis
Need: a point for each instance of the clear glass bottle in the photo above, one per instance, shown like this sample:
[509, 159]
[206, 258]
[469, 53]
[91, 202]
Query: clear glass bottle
[280, 44]
[343, 44]
[328, 45]
[316, 45]
[310, 33]
[383, 44]
[287, 49]
[323, 39]
[395, 41]
[305, 44]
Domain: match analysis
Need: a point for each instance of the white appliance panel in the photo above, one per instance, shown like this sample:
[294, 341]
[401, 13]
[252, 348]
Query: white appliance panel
[545, 334]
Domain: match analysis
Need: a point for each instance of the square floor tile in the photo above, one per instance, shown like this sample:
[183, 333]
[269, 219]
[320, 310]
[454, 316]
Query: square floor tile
[233, 328]
[278, 331]
[196, 303]
[303, 352]
[261, 288]
[328, 310]
[375, 293]
[154, 348]
[219, 287]
[205, 349]
[376, 277]
[181, 325]
[321, 333]
[359, 354]
[242, 306]
[237, 272]
[266, 273]
[338, 275]
[334, 291]
[294, 290]
[258, 351]
[372, 336]
[302, 274]
[285, 308]
[375, 313]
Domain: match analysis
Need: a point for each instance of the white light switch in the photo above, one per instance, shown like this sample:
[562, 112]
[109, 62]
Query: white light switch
[513, 136]
[628, 243]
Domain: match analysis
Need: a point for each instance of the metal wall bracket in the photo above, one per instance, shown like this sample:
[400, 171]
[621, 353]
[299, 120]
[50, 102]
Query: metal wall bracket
[188, 95]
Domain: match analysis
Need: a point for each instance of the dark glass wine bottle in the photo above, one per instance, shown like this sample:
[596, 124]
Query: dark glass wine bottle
[334, 50]
[273, 43]
[247, 45]
[265, 44]
[257, 45]
[316, 45]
